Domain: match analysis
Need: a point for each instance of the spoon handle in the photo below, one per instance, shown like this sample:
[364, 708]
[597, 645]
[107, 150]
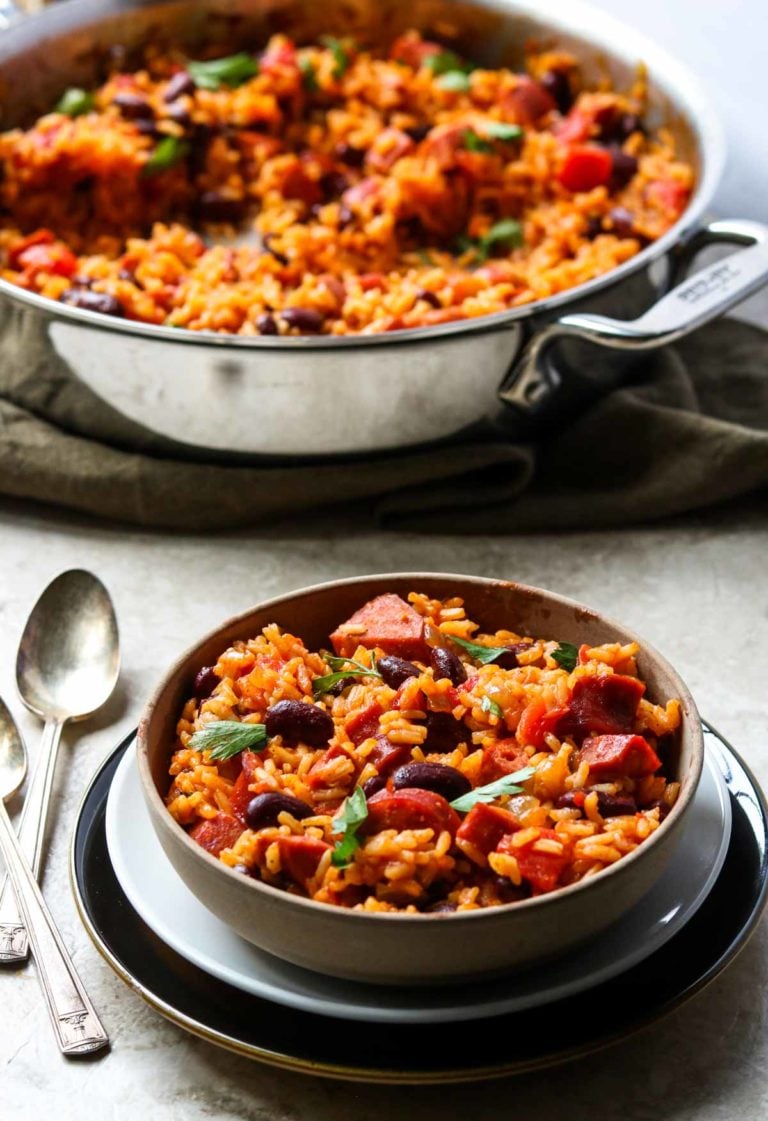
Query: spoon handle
[78, 1029]
[14, 946]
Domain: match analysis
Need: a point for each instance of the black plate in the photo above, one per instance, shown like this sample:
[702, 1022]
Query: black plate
[507, 1044]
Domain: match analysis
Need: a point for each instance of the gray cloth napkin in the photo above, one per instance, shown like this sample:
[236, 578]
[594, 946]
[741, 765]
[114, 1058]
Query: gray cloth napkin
[690, 429]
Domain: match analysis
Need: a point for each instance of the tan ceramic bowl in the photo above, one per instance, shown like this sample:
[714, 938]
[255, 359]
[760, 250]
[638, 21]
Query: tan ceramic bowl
[414, 949]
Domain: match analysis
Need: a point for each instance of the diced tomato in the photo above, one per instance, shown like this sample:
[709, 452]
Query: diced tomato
[370, 280]
[217, 833]
[296, 184]
[279, 55]
[241, 795]
[363, 724]
[387, 622]
[585, 167]
[299, 856]
[528, 101]
[319, 774]
[484, 826]
[670, 194]
[413, 50]
[409, 808]
[584, 653]
[619, 756]
[538, 721]
[604, 704]
[542, 870]
[501, 759]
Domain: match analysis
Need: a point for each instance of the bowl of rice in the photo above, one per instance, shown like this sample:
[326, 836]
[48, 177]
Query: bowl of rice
[419, 778]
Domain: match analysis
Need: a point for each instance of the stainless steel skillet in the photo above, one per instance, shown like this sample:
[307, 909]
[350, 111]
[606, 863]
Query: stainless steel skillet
[330, 396]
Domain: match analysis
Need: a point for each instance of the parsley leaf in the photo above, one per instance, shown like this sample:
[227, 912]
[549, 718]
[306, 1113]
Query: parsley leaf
[487, 704]
[475, 143]
[308, 75]
[74, 102]
[345, 825]
[482, 654]
[169, 151]
[322, 684]
[340, 56]
[455, 80]
[499, 130]
[493, 790]
[230, 71]
[507, 232]
[446, 62]
[566, 655]
[226, 738]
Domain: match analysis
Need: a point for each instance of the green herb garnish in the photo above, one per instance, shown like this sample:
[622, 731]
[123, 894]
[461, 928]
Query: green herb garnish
[340, 56]
[455, 80]
[322, 684]
[346, 824]
[226, 738]
[489, 705]
[74, 102]
[170, 151]
[230, 71]
[493, 790]
[483, 654]
[475, 143]
[446, 62]
[424, 256]
[308, 75]
[566, 655]
[507, 232]
[499, 130]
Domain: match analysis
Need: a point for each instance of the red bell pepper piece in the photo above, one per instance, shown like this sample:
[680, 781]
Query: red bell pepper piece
[241, 795]
[538, 721]
[299, 856]
[585, 167]
[363, 724]
[542, 870]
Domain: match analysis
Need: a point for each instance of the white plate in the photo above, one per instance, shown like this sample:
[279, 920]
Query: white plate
[170, 909]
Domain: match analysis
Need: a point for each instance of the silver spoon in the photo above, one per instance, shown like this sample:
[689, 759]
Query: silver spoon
[78, 1029]
[66, 668]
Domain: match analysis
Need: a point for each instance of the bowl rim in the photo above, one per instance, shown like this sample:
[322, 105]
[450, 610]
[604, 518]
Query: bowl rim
[541, 902]
[605, 33]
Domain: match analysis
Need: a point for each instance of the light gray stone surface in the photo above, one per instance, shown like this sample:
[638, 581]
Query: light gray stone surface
[697, 589]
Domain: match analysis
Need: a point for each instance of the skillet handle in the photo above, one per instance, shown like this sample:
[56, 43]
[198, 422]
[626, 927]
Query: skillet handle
[533, 379]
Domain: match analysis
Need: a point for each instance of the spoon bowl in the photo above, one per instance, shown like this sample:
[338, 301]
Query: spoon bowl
[13, 755]
[68, 659]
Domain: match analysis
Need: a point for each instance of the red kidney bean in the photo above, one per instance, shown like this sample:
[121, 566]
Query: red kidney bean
[333, 184]
[180, 84]
[432, 776]
[179, 114]
[266, 324]
[374, 785]
[558, 86]
[133, 106]
[509, 892]
[264, 809]
[345, 216]
[212, 206]
[662, 807]
[624, 166]
[418, 132]
[206, 680]
[304, 319]
[621, 222]
[444, 733]
[148, 127]
[429, 297]
[92, 301]
[594, 227]
[353, 157]
[299, 722]
[445, 907]
[612, 805]
[243, 869]
[571, 800]
[395, 671]
[508, 660]
[446, 664]
[279, 257]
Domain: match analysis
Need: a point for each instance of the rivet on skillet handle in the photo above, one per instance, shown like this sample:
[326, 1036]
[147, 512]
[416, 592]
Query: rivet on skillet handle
[533, 384]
